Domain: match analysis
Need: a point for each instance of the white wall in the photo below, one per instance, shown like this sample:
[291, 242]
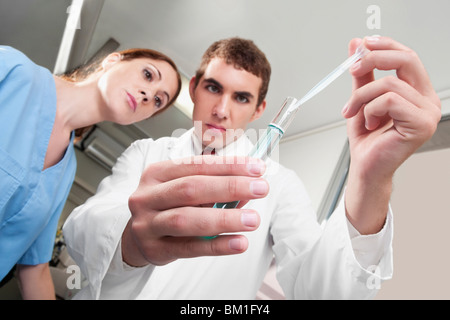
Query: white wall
[314, 156]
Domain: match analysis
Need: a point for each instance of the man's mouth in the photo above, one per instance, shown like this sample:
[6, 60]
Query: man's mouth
[215, 127]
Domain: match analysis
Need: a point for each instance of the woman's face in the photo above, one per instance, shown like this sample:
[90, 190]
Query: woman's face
[134, 90]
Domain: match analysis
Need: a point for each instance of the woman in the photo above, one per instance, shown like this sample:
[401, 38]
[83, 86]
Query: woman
[39, 115]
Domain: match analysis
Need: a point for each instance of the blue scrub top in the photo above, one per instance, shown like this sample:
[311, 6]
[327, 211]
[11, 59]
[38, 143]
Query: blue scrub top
[31, 200]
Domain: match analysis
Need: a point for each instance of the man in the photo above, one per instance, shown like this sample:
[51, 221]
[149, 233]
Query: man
[142, 235]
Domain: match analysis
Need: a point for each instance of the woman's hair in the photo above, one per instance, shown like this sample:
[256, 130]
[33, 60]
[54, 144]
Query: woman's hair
[242, 54]
[84, 71]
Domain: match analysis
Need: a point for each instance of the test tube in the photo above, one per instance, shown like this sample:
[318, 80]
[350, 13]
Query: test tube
[269, 140]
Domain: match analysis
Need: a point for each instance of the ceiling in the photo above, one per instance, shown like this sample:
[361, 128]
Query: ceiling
[303, 40]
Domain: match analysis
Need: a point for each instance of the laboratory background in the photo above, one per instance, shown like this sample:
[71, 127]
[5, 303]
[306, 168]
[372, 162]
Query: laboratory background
[304, 41]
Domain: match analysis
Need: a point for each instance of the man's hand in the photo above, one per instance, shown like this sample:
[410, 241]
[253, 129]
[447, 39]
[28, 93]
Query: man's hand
[171, 209]
[389, 119]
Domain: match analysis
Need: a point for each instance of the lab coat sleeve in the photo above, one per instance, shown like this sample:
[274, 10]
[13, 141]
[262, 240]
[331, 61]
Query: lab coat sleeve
[317, 262]
[93, 231]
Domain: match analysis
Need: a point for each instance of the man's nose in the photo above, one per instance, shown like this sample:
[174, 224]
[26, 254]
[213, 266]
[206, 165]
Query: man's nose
[222, 108]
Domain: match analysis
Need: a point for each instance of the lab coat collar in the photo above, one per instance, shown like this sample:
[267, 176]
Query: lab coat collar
[189, 145]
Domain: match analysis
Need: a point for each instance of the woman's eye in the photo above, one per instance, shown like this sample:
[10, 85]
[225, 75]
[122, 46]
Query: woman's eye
[158, 102]
[148, 75]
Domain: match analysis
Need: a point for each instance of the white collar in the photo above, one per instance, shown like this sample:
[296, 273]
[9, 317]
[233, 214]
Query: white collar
[189, 145]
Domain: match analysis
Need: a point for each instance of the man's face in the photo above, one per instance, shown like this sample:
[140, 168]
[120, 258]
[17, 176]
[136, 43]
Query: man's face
[224, 102]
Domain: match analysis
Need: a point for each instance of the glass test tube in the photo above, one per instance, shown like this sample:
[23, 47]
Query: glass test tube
[269, 140]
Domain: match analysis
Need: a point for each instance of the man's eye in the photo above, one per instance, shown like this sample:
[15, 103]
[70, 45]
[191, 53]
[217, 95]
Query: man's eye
[242, 99]
[213, 89]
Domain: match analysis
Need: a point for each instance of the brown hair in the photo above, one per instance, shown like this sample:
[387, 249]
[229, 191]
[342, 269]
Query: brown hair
[82, 72]
[243, 54]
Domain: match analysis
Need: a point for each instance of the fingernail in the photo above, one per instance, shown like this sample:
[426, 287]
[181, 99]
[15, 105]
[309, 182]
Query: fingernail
[259, 187]
[256, 167]
[356, 65]
[236, 244]
[249, 219]
[373, 39]
[344, 110]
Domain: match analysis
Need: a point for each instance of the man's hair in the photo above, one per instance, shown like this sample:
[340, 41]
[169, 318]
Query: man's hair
[242, 54]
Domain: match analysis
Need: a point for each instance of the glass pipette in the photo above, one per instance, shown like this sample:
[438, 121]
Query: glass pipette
[275, 130]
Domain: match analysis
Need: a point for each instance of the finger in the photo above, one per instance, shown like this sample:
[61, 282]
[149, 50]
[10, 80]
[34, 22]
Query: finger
[409, 123]
[388, 107]
[203, 165]
[388, 54]
[193, 221]
[371, 91]
[361, 79]
[197, 190]
[383, 43]
[181, 247]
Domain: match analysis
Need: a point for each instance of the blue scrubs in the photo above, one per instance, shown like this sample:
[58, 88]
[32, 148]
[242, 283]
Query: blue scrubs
[31, 199]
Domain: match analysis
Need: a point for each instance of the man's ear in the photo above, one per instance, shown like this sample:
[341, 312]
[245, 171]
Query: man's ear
[192, 87]
[259, 111]
[111, 60]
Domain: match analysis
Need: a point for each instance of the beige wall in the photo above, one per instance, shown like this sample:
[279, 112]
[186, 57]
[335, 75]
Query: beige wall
[421, 206]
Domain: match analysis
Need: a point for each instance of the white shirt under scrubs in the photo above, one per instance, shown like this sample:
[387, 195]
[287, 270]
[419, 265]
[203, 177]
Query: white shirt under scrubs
[333, 262]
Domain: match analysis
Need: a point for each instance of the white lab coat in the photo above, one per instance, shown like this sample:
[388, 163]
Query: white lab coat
[333, 262]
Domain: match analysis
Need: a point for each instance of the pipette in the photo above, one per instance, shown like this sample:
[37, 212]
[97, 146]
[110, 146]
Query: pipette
[269, 140]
